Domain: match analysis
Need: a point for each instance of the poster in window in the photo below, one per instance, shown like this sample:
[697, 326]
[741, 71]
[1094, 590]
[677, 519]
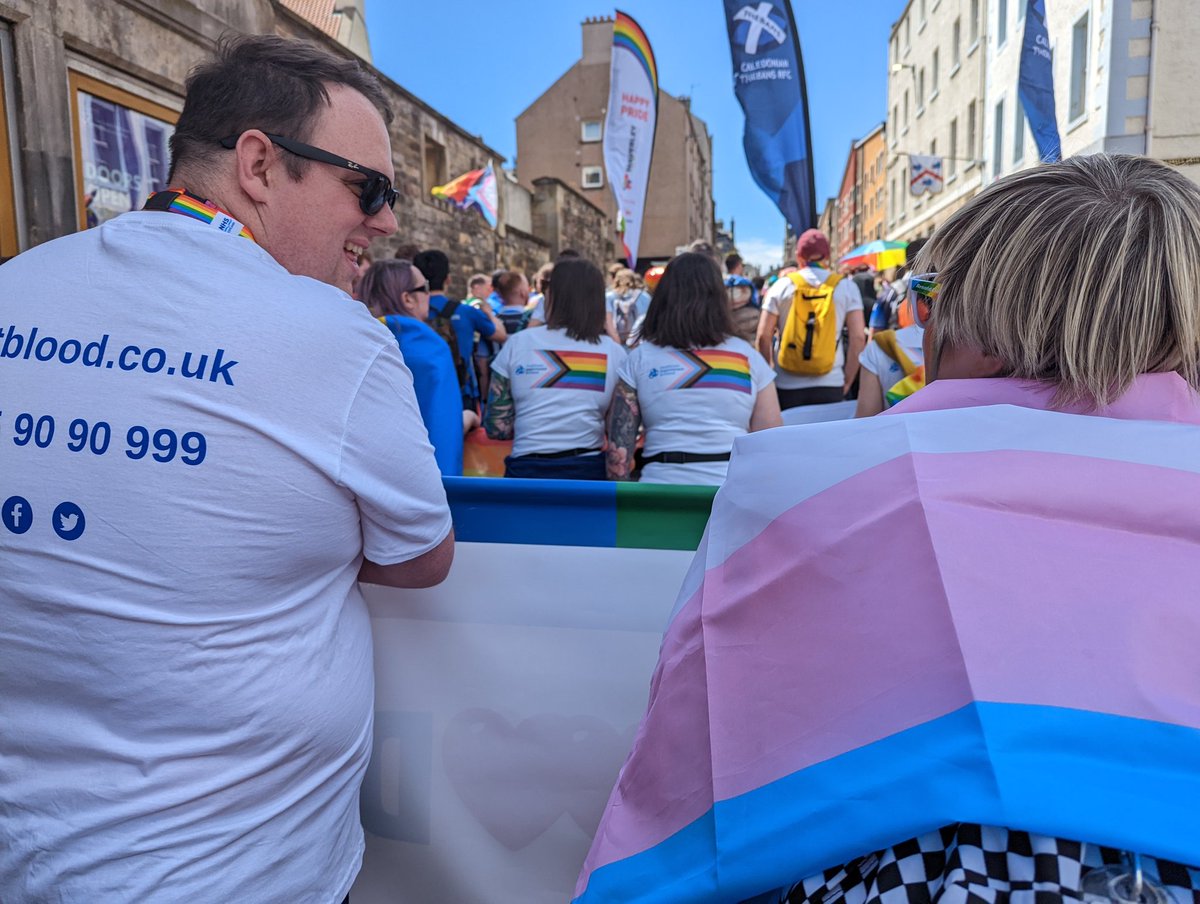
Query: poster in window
[125, 157]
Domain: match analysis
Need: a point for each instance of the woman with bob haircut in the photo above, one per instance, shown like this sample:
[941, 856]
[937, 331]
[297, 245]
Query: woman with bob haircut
[948, 653]
[692, 383]
[397, 293]
[551, 385]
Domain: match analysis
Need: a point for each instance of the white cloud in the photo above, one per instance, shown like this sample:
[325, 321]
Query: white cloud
[763, 253]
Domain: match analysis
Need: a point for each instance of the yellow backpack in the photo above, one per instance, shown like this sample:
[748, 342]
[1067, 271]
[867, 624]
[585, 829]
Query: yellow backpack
[810, 336]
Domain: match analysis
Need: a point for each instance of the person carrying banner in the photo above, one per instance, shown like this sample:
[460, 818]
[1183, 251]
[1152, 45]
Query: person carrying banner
[804, 315]
[221, 444]
[999, 702]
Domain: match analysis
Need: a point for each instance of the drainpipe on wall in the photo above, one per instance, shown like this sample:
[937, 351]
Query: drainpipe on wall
[1150, 76]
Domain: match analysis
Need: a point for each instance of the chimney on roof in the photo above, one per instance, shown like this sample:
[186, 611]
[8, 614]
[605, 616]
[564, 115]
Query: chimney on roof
[597, 39]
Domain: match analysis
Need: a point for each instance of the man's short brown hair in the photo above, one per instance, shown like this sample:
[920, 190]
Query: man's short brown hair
[263, 82]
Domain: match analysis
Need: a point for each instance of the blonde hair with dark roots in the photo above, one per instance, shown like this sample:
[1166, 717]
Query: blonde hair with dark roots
[1081, 274]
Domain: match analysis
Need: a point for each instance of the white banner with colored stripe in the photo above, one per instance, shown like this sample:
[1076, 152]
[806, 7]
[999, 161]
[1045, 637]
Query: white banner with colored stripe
[507, 697]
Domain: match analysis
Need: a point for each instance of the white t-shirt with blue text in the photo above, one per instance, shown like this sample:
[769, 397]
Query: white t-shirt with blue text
[561, 388]
[197, 449]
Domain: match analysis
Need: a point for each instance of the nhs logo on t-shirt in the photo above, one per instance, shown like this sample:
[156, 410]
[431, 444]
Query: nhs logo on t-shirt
[226, 223]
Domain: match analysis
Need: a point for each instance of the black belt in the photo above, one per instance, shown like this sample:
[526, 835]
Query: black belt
[684, 458]
[566, 453]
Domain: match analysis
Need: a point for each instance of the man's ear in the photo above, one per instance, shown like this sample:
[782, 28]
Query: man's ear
[258, 165]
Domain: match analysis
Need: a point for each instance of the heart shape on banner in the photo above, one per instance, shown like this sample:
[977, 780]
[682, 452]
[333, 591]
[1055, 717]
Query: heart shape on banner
[518, 780]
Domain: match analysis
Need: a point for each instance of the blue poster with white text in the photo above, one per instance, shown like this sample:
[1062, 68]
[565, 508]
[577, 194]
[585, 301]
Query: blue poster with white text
[768, 78]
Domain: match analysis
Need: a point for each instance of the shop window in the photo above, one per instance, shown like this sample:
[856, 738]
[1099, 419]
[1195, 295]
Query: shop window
[121, 150]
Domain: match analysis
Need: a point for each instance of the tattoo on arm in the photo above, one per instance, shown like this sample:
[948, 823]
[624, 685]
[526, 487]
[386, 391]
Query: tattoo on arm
[501, 413]
[624, 422]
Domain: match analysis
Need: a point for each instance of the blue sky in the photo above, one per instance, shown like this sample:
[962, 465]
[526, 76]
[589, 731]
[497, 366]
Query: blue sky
[481, 62]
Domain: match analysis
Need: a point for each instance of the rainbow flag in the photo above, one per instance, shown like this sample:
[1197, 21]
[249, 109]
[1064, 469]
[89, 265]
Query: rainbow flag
[628, 35]
[711, 368]
[629, 127]
[476, 189]
[573, 370]
[1017, 648]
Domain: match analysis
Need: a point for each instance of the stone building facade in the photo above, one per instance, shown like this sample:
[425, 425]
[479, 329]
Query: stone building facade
[561, 135]
[77, 72]
[937, 56]
[872, 183]
[846, 235]
[1116, 81]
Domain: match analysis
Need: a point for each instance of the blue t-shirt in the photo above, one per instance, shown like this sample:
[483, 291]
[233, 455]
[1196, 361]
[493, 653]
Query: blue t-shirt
[436, 384]
[467, 321]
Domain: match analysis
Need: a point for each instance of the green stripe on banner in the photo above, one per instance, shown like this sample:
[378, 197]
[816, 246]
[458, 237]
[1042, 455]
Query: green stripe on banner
[659, 516]
[578, 512]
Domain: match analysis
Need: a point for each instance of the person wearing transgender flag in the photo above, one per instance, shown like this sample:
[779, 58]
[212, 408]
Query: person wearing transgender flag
[1000, 702]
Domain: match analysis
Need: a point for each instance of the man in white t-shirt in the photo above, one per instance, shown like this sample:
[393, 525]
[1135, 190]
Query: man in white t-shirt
[812, 252]
[205, 444]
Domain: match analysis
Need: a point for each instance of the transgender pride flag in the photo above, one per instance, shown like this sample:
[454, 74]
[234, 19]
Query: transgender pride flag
[978, 610]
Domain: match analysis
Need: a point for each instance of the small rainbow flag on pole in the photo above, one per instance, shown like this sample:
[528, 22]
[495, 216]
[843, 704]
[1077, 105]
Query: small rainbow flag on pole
[476, 189]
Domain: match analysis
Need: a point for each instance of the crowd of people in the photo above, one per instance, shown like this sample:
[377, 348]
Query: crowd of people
[595, 391]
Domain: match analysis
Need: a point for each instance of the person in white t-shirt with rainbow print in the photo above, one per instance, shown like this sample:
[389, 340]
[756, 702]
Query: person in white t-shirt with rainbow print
[552, 384]
[691, 381]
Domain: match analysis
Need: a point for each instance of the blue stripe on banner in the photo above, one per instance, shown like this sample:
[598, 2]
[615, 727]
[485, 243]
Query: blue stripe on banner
[538, 512]
[1127, 783]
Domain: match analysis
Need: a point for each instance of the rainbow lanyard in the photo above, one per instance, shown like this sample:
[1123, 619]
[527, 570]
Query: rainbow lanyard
[179, 200]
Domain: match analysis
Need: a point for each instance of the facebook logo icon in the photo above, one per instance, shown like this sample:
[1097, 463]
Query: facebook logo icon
[17, 514]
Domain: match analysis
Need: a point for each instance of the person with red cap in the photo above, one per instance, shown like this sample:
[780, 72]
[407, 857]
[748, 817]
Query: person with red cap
[800, 329]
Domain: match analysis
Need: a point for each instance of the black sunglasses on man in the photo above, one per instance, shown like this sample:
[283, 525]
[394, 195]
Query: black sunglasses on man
[375, 191]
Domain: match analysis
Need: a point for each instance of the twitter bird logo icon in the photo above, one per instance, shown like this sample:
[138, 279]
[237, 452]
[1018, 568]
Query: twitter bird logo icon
[68, 521]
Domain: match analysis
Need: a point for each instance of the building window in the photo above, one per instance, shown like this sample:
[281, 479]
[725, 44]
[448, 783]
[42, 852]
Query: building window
[1079, 62]
[923, 11]
[974, 21]
[998, 141]
[957, 54]
[895, 122]
[951, 162]
[591, 130]
[907, 34]
[905, 108]
[933, 148]
[436, 172]
[933, 72]
[921, 88]
[121, 148]
[592, 177]
[1021, 10]
[1001, 22]
[895, 48]
[971, 146]
[9, 240]
[1019, 133]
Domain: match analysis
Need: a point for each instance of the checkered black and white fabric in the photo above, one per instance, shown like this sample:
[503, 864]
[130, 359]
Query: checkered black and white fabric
[972, 864]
